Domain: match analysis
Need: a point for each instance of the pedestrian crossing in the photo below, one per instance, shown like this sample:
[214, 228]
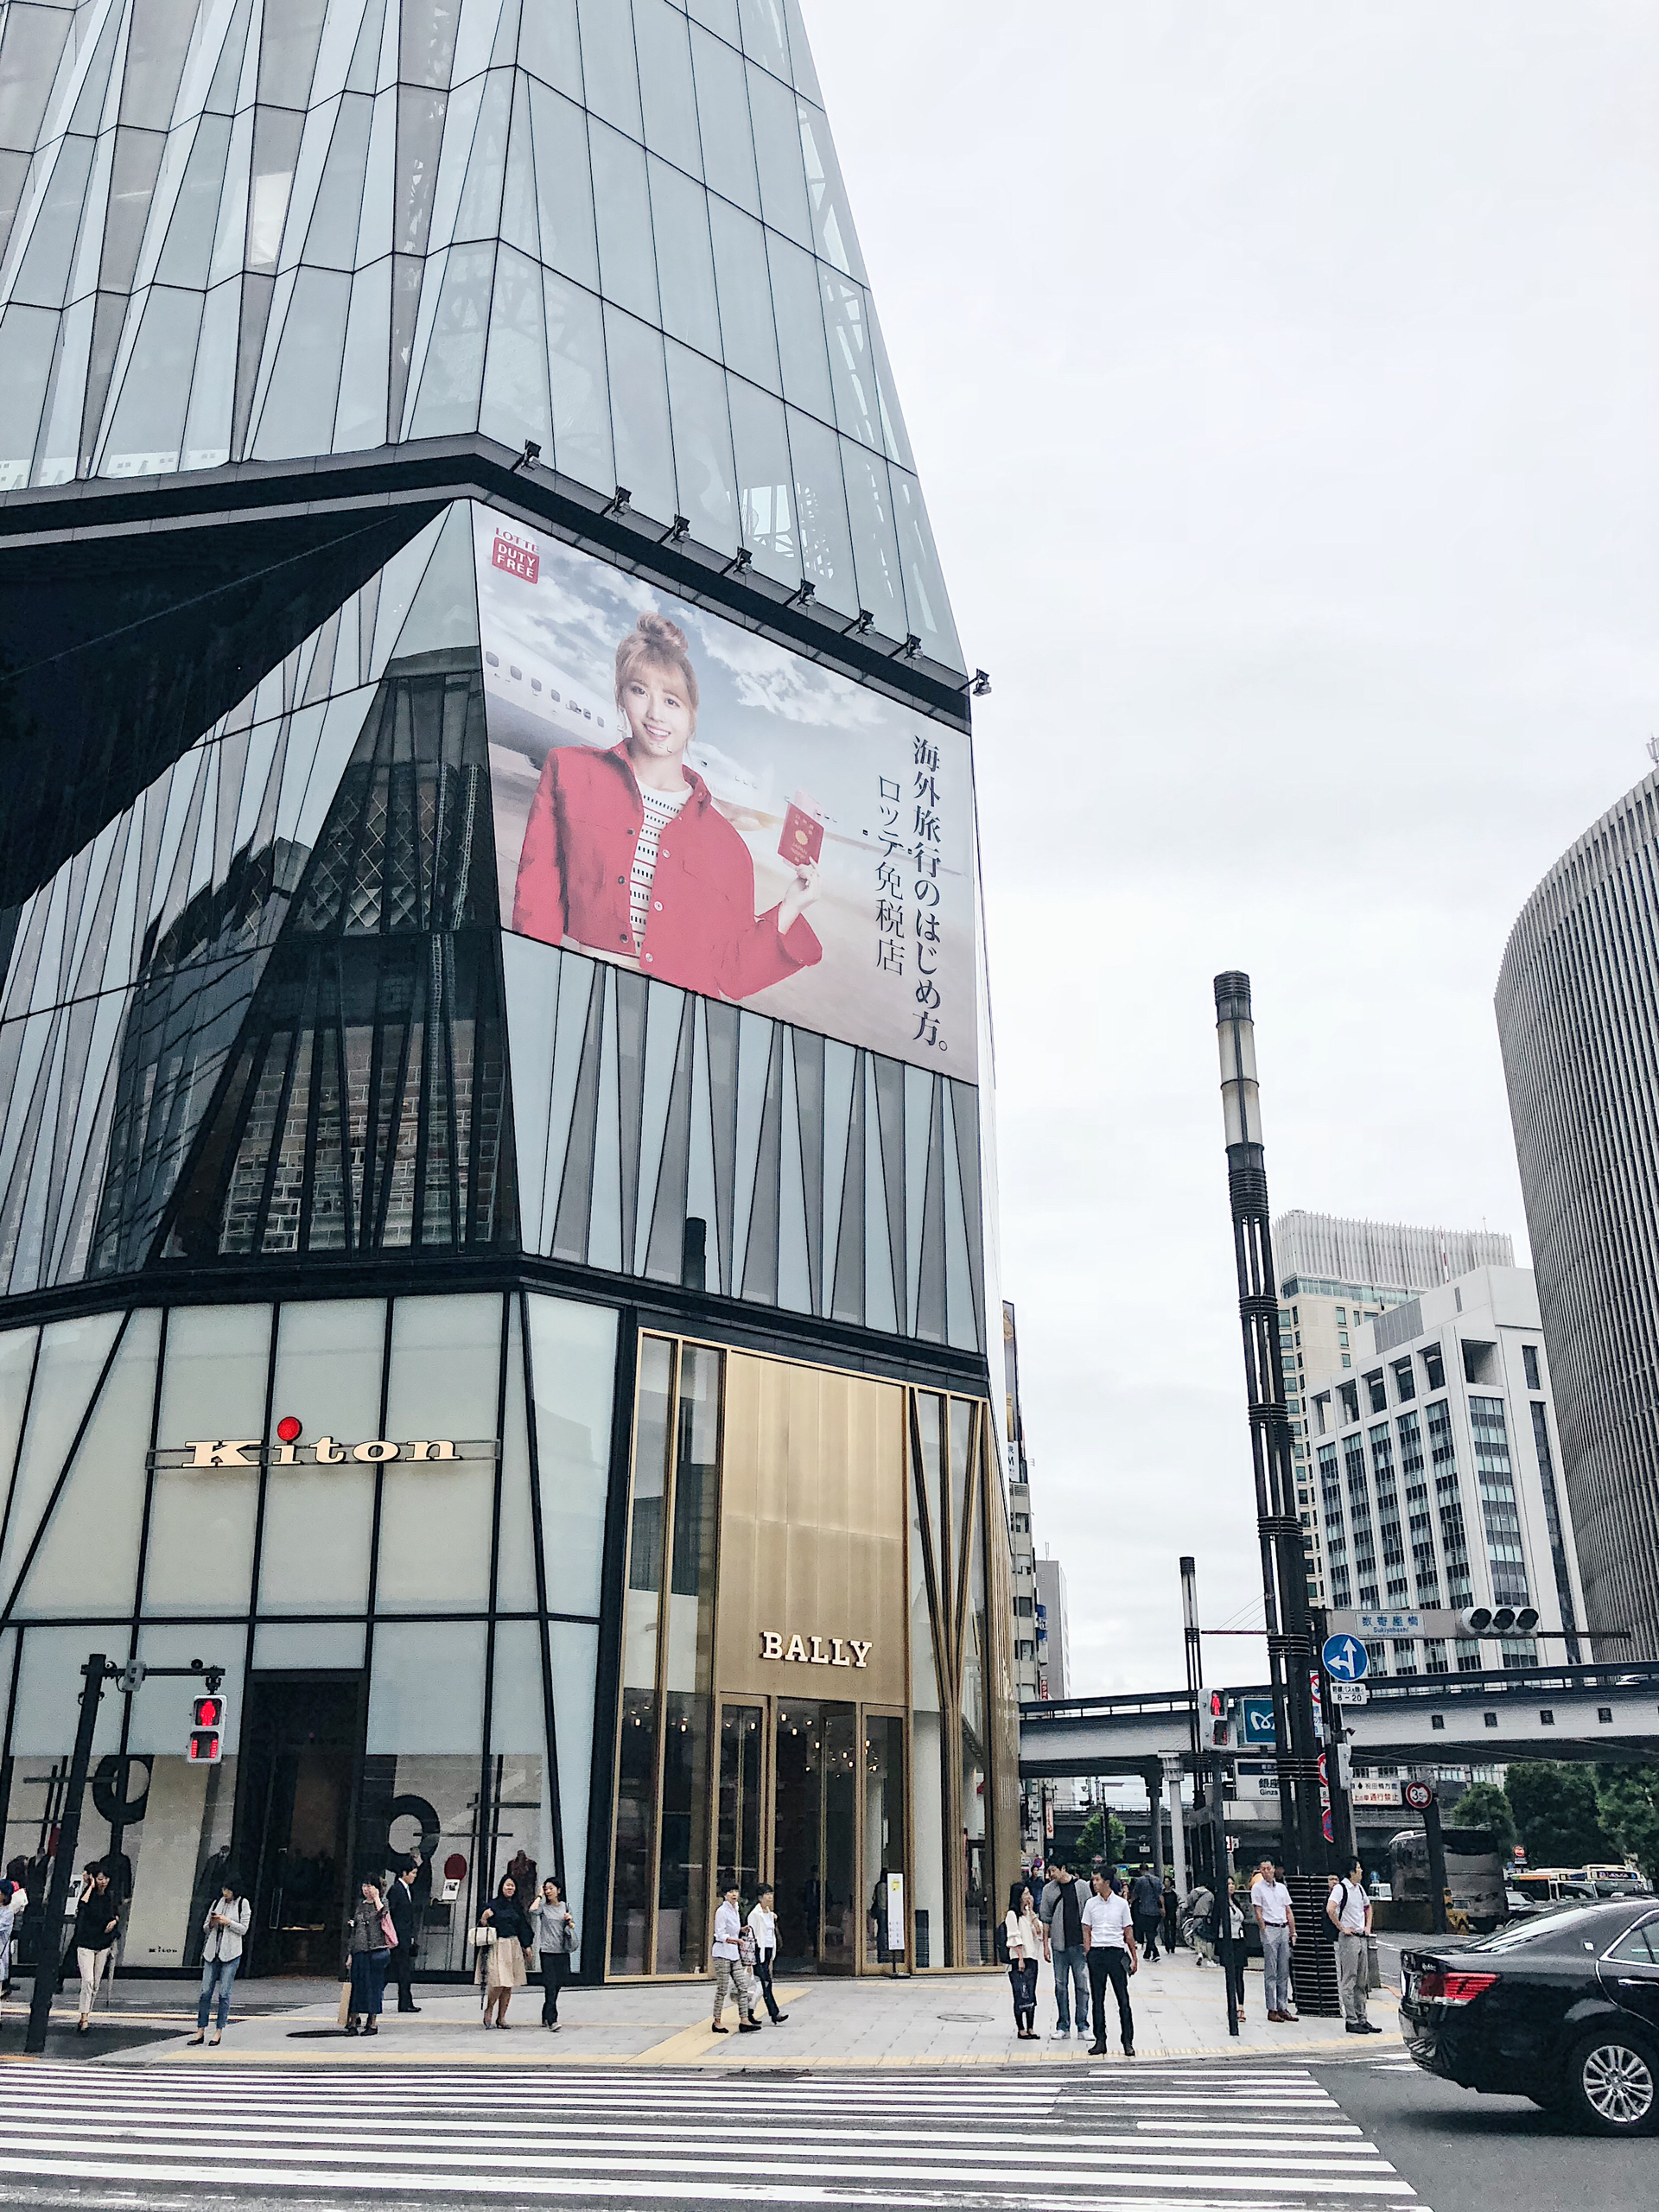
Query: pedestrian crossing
[1152, 2139]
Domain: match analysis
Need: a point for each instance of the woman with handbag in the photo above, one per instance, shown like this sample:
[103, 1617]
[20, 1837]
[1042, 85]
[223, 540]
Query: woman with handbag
[372, 1938]
[555, 1939]
[501, 1961]
[1023, 1933]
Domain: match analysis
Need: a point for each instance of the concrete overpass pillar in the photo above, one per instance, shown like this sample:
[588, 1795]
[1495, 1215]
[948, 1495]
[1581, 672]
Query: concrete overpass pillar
[1170, 1762]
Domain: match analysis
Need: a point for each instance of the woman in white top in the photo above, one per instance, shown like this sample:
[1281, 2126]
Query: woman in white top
[763, 1926]
[1026, 1947]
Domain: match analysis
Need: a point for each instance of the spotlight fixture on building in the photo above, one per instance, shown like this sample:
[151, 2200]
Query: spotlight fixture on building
[532, 452]
[911, 647]
[805, 595]
[861, 628]
[740, 561]
[980, 688]
[619, 501]
[679, 530]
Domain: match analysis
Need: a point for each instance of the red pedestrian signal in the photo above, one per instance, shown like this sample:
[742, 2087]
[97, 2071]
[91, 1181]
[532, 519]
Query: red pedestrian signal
[207, 1744]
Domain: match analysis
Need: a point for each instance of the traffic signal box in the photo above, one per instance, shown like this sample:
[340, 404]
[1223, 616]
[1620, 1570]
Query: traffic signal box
[1214, 1722]
[206, 1746]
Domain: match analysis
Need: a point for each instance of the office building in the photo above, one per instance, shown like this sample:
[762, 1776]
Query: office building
[491, 1154]
[1027, 1667]
[1436, 1472]
[1334, 1275]
[1578, 1017]
[1054, 1636]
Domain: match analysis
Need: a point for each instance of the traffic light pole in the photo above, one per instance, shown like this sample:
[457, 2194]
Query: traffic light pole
[97, 1670]
[1284, 1572]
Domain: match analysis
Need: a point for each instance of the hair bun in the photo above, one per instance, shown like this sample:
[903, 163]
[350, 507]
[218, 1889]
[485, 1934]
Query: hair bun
[661, 633]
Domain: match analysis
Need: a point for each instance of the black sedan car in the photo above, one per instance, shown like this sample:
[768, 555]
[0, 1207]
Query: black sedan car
[1563, 2008]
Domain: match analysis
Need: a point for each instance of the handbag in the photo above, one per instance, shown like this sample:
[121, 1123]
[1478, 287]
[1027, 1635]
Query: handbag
[482, 1937]
[387, 1930]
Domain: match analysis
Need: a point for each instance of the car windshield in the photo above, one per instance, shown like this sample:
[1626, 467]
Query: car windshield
[1538, 1930]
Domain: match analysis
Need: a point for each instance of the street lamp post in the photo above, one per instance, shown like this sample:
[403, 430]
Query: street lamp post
[1284, 1575]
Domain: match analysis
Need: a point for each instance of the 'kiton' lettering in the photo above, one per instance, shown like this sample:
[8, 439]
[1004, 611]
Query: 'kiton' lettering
[246, 1451]
[774, 1645]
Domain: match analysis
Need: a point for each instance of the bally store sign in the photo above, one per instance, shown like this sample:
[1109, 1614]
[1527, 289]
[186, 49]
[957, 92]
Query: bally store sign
[814, 1651]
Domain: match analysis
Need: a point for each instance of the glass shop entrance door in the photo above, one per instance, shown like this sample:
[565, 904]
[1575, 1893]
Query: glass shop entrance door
[301, 1737]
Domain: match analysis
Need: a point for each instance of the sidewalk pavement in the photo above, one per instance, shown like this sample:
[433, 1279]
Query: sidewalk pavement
[935, 2019]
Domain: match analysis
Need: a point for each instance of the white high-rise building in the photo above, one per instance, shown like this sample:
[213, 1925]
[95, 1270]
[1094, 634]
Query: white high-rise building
[1435, 1476]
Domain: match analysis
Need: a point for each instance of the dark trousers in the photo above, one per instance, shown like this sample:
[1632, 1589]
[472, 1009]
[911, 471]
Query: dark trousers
[403, 1965]
[1237, 1967]
[1147, 1926]
[763, 1974]
[1106, 1963]
[556, 1972]
[1172, 1916]
[1022, 1979]
[368, 1980]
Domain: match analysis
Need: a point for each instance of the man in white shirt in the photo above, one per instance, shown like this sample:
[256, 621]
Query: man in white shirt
[729, 1970]
[763, 1926]
[1110, 1954]
[1349, 1911]
[1276, 1918]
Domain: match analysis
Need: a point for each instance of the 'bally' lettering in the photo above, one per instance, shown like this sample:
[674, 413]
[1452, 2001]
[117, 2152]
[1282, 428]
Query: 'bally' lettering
[773, 1646]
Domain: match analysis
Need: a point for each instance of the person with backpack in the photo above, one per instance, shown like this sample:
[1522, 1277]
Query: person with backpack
[1348, 1908]
[1146, 1904]
[1060, 1911]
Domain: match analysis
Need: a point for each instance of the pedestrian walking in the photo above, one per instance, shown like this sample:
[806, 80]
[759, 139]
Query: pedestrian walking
[731, 1968]
[1196, 1912]
[7, 1892]
[1108, 1947]
[1172, 1909]
[1348, 1908]
[370, 1950]
[1060, 1910]
[555, 1939]
[1234, 1965]
[1027, 1946]
[98, 1917]
[405, 1922]
[1276, 1918]
[1146, 1904]
[225, 1931]
[501, 1963]
[763, 1926]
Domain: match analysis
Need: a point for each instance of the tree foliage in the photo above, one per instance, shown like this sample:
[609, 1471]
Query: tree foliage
[1484, 1805]
[1098, 1840]
[1628, 1802]
[1557, 1811]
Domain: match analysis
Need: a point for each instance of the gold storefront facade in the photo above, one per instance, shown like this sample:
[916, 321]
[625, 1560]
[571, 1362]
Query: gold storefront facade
[817, 1688]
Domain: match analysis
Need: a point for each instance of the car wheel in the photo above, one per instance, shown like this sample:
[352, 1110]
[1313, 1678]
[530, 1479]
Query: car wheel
[1612, 2084]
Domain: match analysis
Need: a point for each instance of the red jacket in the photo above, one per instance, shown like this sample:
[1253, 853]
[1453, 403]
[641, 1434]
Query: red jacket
[701, 932]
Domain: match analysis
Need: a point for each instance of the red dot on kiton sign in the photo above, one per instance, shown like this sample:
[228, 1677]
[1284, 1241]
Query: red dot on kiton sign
[288, 1428]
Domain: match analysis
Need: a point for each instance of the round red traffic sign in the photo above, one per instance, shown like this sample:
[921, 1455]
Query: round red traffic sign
[1418, 1795]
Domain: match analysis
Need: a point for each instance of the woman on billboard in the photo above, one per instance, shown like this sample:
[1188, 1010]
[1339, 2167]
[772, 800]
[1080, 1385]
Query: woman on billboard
[625, 854]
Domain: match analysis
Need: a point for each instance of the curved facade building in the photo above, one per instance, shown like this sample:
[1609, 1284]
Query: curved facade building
[492, 1166]
[1577, 1013]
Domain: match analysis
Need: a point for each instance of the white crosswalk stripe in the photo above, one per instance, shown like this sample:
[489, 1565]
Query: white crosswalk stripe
[1258, 2140]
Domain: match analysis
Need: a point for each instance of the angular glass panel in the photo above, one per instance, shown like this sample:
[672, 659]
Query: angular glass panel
[427, 1691]
[634, 1863]
[640, 421]
[610, 73]
[821, 507]
[331, 235]
[627, 261]
[147, 427]
[894, 434]
[665, 89]
[573, 1365]
[314, 1554]
[288, 51]
[723, 120]
[519, 225]
[876, 541]
[42, 280]
[582, 408]
[453, 372]
[59, 448]
[778, 156]
[925, 599]
[298, 414]
[428, 47]
[275, 150]
[208, 426]
[564, 187]
[14, 175]
[27, 337]
[834, 236]
[765, 484]
[420, 140]
[748, 339]
[188, 254]
[34, 39]
[719, 15]
[157, 44]
[800, 52]
[200, 1552]
[479, 213]
[703, 447]
[851, 370]
[763, 37]
[549, 46]
[515, 405]
[360, 420]
[685, 264]
[800, 328]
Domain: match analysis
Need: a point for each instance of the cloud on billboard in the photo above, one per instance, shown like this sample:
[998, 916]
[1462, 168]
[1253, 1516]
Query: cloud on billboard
[680, 796]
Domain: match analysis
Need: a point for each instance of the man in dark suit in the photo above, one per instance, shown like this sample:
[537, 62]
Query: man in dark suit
[400, 1903]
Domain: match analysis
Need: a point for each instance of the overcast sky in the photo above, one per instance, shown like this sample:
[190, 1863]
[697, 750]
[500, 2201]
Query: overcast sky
[1283, 378]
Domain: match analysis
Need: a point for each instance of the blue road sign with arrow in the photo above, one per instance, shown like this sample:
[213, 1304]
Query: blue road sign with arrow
[1346, 1659]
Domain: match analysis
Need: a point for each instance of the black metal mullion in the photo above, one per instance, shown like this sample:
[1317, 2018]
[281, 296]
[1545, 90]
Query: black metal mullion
[486, 1821]
[64, 1470]
[527, 1383]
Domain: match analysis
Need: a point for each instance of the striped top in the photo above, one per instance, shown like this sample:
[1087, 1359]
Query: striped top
[661, 807]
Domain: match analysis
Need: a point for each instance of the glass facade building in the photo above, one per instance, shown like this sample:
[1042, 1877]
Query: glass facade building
[516, 1349]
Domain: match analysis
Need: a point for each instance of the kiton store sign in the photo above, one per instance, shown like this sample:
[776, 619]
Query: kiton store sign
[289, 1452]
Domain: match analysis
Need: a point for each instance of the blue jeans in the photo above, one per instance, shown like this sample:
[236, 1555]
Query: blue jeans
[217, 1975]
[368, 1979]
[1069, 1968]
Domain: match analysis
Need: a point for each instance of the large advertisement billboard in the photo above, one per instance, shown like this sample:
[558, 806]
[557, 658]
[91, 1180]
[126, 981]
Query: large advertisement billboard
[679, 796]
